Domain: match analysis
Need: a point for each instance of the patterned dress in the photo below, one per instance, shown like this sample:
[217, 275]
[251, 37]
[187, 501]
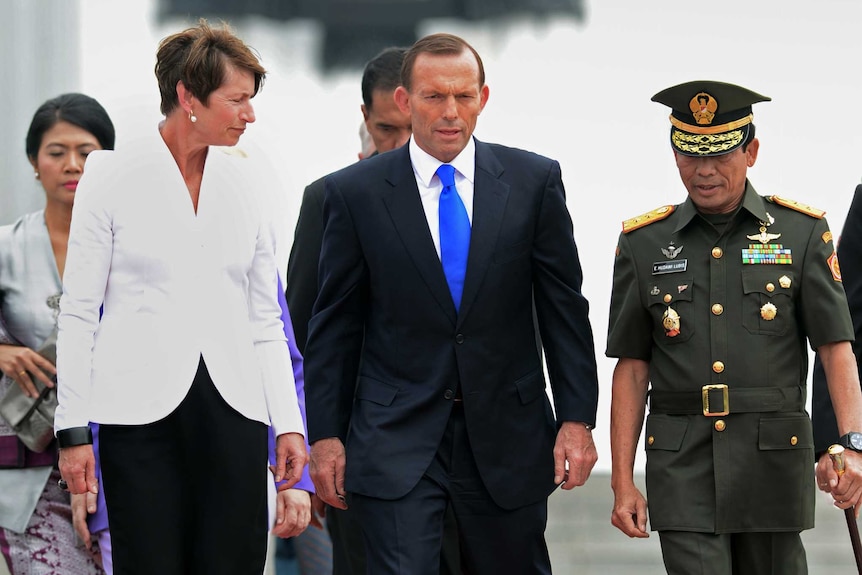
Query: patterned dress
[36, 533]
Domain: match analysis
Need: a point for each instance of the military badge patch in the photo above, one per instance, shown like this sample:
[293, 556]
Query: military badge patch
[833, 267]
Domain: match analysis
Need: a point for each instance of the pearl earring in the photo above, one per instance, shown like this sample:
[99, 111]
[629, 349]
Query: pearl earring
[192, 117]
[36, 175]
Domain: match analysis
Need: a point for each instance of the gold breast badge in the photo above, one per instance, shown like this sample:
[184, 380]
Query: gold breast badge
[670, 322]
[768, 311]
[764, 237]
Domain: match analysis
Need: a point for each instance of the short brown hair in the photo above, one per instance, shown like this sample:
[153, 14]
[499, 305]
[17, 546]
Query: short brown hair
[441, 45]
[197, 57]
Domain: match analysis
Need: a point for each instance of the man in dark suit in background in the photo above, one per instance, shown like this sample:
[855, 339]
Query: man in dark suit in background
[387, 128]
[432, 257]
[849, 251]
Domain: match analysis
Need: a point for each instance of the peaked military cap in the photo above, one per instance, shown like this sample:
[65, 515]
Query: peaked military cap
[709, 118]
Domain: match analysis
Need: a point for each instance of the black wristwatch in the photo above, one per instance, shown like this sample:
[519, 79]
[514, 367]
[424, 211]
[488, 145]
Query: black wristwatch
[74, 436]
[852, 440]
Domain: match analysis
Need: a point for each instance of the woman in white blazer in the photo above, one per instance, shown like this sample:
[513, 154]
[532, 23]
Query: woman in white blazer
[187, 364]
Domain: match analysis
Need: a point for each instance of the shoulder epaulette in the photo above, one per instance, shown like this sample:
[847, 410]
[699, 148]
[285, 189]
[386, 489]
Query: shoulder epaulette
[799, 207]
[648, 218]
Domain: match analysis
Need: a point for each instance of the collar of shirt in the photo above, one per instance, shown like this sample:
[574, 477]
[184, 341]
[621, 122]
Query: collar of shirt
[752, 202]
[425, 170]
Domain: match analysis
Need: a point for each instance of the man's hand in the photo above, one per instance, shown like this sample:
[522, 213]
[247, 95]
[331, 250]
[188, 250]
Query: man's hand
[19, 362]
[290, 458]
[292, 512]
[630, 511]
[77, 466]
[846, 490]
[327, 471]
[574, 446]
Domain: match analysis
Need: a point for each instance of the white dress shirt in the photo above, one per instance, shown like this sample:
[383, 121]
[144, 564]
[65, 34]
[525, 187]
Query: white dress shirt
[175, 285]
[425, 169]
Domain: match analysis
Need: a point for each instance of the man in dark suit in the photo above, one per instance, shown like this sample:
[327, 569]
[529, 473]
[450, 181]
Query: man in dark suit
[387, 128]
[422, 351]
[822, 414]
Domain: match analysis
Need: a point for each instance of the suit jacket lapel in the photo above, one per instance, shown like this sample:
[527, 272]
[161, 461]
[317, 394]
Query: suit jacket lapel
[408, 217]
[489, 203]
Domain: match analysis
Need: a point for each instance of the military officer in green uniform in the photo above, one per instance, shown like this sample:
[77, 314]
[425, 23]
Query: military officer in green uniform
[714, 302]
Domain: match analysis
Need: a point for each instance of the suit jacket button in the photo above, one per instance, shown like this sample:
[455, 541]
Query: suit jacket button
[449, 394]
[459, 339]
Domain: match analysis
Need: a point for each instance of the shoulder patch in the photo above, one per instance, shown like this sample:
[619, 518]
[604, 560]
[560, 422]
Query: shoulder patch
[648, 218]
[799, 207]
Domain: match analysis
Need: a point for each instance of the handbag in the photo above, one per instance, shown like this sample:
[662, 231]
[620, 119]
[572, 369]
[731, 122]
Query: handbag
[33, 418]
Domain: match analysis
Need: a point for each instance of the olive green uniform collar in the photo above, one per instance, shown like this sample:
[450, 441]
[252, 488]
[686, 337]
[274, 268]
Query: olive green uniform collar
[751, 202]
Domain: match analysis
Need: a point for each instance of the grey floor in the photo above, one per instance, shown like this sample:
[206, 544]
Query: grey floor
[582, 540]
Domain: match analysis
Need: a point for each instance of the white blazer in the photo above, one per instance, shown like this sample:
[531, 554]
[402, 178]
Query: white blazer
[175, 285]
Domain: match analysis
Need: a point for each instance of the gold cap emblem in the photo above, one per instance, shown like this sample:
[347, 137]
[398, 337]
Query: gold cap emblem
[703, 107]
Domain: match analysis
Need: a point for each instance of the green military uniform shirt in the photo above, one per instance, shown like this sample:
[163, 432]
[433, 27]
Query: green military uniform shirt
[729, 304]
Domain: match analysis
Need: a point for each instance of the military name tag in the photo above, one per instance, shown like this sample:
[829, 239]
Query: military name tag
[669, 267]
[766, 254]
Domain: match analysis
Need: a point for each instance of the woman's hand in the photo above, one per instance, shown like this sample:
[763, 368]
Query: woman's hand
[293, 512]
[22, 364]
[83, 504]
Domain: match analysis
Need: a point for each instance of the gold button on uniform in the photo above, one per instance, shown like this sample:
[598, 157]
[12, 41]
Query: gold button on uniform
[720, 425]
[717, 309]
[718, 367]
[717, 253]
[668, 298]
[794, 440]
[650, 440]
[770, 287]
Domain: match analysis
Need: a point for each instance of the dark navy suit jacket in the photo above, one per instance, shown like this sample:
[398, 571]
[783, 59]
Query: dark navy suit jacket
[387, 350]
[850, 260]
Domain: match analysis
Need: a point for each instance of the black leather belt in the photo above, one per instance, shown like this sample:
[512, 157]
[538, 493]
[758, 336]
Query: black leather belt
[719, 399]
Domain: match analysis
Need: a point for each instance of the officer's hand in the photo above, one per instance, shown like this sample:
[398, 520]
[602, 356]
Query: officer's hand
[848, 491]
[630, 511]
[825, 473]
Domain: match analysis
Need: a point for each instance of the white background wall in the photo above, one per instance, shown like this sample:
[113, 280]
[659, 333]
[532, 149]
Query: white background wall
[579, 93]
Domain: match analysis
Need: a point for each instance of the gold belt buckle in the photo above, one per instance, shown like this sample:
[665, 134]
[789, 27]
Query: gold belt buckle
[705, 399]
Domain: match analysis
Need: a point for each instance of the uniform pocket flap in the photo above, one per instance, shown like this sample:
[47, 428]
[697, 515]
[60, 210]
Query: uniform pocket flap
[665, 432]
[376, 391]
[788, 432]
[670, 290]
[767, 282]
[530, 386]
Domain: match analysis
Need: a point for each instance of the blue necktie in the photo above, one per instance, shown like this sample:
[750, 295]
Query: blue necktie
[454, 233]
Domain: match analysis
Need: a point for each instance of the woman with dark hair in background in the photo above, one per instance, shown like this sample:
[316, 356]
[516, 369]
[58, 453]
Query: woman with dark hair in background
[37, 536]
